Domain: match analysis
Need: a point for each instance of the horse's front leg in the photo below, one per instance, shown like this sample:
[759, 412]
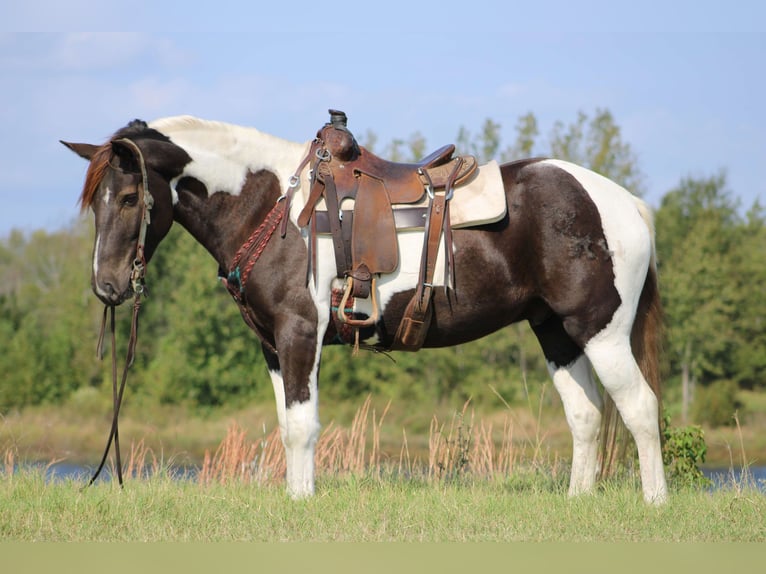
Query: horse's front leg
[294, 373]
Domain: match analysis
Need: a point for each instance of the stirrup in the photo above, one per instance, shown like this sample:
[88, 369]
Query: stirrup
[342, 306]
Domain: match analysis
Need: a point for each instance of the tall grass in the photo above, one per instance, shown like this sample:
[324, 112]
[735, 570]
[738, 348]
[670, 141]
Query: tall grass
[462, 447]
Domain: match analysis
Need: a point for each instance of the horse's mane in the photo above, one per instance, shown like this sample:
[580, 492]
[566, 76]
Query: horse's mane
[163, 129]
[180, 123]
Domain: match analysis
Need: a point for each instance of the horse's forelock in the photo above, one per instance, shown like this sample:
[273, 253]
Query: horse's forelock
[99, 163]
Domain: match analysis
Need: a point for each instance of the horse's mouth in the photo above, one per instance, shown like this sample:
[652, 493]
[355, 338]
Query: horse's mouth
[112, 298]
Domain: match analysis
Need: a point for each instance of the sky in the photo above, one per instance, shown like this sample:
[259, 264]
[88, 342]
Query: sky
[684, 80]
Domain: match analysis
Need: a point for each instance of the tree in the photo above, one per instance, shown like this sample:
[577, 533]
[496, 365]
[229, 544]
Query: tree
[597, 143]
[526, 137]
[201, 353]
[484, 146]
[44, 307]
[697, 231]
[750, 262]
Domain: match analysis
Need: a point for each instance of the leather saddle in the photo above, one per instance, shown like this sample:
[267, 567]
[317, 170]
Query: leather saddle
[344, 174]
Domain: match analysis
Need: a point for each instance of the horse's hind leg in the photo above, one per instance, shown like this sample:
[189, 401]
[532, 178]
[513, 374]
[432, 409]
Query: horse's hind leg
[583, 407]
[573, 379]
[612, 358]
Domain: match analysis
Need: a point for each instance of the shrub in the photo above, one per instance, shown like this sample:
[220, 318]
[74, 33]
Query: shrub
[683, 449]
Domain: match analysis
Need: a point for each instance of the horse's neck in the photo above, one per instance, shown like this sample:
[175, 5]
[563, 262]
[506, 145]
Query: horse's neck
[223, 154]
[225, 159]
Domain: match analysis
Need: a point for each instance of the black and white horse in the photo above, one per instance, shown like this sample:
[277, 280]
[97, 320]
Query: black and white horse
[573, 255]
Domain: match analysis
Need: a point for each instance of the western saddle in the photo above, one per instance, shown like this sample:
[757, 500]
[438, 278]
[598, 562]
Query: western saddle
[364, 238]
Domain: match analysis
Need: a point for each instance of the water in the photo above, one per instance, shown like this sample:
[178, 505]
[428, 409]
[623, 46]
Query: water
[720, 477]
[726, 477]
[62, 471]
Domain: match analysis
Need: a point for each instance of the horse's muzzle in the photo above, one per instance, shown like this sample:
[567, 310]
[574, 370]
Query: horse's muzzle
[109, 294]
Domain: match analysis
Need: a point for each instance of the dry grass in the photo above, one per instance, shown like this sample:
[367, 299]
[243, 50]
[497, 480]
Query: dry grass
[462, 447]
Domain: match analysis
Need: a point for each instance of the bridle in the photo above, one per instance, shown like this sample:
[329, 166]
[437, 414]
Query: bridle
[137, 282]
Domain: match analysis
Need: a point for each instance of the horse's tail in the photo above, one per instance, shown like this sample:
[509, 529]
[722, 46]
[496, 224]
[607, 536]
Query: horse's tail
[646, 343]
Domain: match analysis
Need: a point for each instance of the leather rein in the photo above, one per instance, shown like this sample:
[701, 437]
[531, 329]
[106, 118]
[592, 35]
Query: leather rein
[137, 275]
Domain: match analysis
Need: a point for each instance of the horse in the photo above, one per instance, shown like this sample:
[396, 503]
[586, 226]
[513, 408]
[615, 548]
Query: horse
[573, 255]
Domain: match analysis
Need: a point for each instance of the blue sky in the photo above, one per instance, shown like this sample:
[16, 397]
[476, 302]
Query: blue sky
[684, 80]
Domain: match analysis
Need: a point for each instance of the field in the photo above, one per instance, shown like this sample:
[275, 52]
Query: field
[365, 509]
[476, 480]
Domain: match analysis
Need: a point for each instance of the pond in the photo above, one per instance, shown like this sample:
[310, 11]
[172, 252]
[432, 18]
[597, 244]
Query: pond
[723, 477]
[720, 477]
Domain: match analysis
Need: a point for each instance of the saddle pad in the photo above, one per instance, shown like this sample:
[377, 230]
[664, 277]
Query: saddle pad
[481, 200]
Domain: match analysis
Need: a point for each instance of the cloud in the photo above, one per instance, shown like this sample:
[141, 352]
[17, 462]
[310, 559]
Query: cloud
[96, 51]
[79, 53]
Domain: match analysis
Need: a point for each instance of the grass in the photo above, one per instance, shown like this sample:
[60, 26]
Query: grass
[367, 509]
[477, 480]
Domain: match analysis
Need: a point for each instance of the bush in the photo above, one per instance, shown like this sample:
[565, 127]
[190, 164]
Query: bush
[683, 449]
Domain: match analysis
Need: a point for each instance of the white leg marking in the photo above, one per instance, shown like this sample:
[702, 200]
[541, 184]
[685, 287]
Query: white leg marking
[613, 361]
[299, 428]
[583, 406]
[302, 432]
[279, 395]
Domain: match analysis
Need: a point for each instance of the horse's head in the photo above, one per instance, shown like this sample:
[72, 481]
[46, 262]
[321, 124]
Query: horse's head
[127, 187]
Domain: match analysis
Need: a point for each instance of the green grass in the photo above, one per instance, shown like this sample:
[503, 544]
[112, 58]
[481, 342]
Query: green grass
[526, 507]
[486, 479]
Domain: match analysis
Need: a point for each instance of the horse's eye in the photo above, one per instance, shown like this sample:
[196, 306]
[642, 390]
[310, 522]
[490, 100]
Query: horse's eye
[129, 200]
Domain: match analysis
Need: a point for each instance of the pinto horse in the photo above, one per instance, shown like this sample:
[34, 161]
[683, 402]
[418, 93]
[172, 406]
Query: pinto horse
[573, 255]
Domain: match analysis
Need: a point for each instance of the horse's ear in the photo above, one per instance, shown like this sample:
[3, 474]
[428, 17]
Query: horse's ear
[126, 156]
[84, 150]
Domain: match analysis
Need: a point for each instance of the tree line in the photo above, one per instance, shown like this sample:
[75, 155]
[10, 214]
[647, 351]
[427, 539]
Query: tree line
[194, 349]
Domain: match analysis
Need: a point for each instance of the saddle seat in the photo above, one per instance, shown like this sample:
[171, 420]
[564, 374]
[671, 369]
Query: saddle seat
[406, 182]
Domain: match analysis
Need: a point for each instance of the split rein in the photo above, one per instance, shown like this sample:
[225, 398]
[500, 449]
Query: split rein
[117, 393]
[137, 283]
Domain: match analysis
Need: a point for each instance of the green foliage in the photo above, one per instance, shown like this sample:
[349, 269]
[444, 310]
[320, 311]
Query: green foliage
[526, 135]
[485, 145]
[683, 449]
[45, 304]
[716, 404]
[710, 260]
[201, 353]
[596, 143]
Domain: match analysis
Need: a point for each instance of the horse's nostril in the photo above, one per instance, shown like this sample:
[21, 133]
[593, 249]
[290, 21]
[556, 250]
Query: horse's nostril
[107, 292]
